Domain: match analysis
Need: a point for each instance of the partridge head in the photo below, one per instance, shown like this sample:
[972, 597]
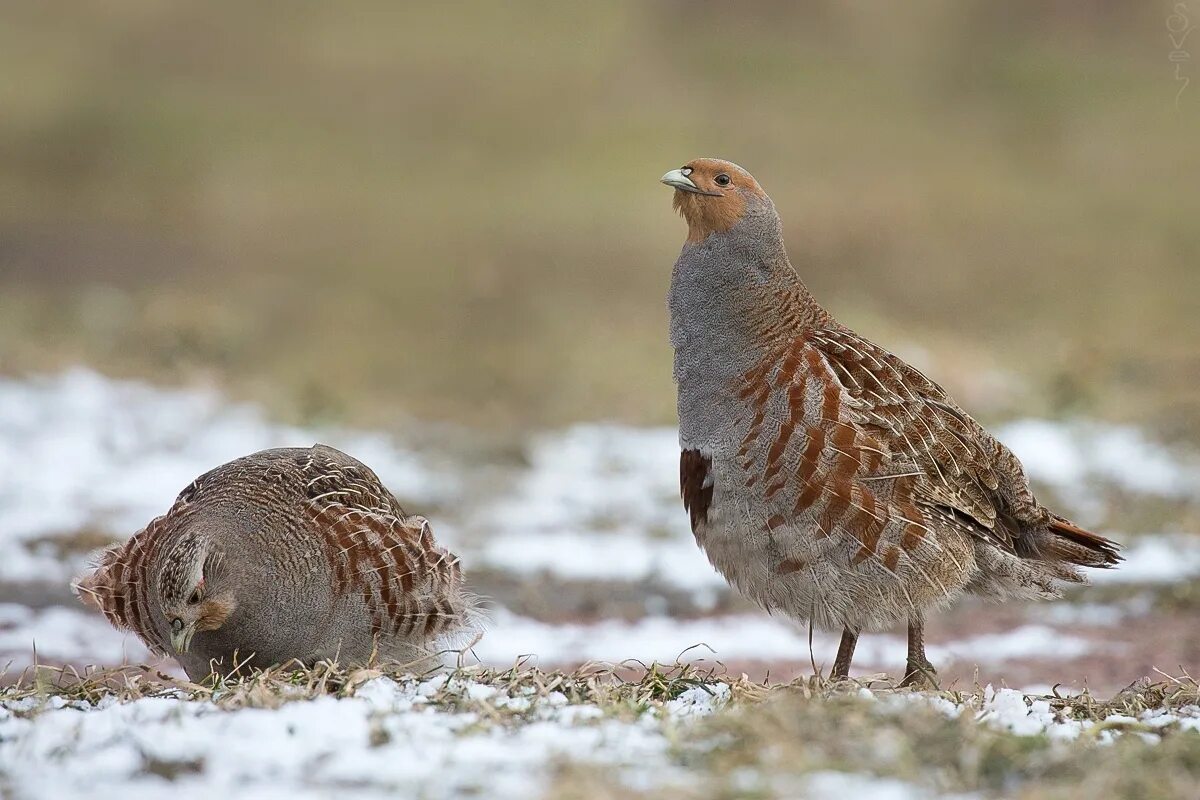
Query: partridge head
[714, 195]
[826, 478]
[193, 589]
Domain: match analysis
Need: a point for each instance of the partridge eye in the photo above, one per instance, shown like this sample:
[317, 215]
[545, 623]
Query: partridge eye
[722, 179]
[195, 598]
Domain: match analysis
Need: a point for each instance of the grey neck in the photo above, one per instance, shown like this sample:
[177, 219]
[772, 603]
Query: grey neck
[723, 303]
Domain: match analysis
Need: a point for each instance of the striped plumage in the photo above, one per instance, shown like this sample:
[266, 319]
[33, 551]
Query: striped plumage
[297, 553]
[824, 476]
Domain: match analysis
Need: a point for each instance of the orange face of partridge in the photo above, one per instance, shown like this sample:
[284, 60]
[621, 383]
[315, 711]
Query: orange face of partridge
[711, 195]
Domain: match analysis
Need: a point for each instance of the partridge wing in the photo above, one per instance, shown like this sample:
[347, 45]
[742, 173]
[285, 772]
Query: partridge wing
[953, 460]
[409, 585]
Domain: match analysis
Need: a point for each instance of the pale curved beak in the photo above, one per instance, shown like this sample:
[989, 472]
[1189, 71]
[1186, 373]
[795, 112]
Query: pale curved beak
[678, 179]
[181, 636]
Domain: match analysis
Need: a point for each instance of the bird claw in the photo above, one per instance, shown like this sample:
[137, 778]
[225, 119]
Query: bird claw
[920, 677]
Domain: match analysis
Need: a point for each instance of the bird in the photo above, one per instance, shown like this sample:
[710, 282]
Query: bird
[284, 555]
[824, 477]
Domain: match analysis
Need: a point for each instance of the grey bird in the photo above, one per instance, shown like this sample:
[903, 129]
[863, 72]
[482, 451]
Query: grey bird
[826, 478]
[288, 554]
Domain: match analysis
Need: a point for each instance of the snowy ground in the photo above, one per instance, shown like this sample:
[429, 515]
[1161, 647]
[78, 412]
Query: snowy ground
[422, 738]
[452, 736]
[582, 545]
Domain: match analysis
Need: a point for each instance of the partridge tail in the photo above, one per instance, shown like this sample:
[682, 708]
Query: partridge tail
[448, 621]
[441, 605]
[103, 588]
[91, 589]
[1066, 541]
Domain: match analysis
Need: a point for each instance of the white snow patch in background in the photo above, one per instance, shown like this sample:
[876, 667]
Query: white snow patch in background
[597, 477]
[1023, 642]
[1070, 456]
[59, 634]
[66, 635]
[677, 561]
[595, 502]
[751, 637]
[1155, 559]
[78, 449]
[830, 785]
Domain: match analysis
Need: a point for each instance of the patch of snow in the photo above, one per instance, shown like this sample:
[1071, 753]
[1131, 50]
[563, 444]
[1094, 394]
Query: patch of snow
[579, 555]
[66, 635]
[60, 635]
[79, 450]
[1097, 614]
[387, 740]
[830, 785]
[597, 477]
[445, 736]
[597, 502]
[739, 636]
[1154, 559]
[699, 701]
[1069, 456]
[1024, 715]
[660, 639]
[1011, 710]
[1023, 642]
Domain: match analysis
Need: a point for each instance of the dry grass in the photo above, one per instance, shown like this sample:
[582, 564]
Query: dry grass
[598, 684]
[626, 687]
[767, 739]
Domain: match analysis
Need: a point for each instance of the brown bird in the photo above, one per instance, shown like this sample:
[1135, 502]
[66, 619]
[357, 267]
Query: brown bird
[825, 477]
[296, 553]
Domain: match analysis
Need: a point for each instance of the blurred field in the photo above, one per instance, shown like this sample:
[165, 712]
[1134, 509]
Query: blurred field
[361, 211]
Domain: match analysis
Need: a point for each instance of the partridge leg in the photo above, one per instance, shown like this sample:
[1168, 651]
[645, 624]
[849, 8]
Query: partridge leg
[918, 672]
[845, 653]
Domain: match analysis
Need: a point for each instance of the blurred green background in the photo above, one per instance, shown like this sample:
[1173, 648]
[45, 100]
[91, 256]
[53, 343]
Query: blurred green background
[365, 212]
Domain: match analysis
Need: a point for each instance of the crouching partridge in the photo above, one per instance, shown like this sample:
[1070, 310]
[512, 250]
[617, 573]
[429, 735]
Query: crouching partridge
[289, 554]
[826, 478]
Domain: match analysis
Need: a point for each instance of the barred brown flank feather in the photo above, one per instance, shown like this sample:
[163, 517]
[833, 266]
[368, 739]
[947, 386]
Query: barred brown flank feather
[824, 476]
[304, 526]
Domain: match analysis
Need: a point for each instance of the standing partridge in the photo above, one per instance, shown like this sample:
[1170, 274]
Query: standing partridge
[826, 478]
[290, 554]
